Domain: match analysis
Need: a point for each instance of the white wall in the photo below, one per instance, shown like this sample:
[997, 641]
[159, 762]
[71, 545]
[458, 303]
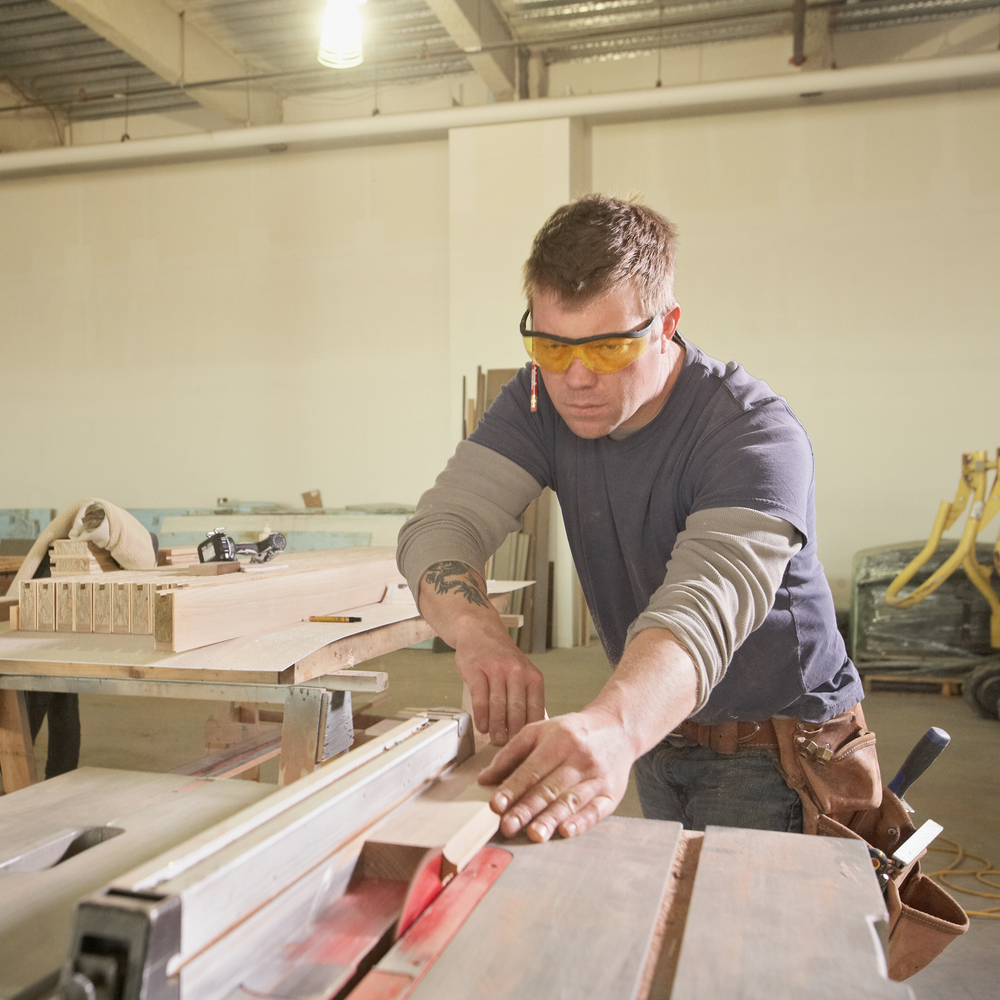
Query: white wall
[251, 328]
[259, 327]
[850, 256]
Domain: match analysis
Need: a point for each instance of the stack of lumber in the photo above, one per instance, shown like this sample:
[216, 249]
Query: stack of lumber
[69, 557]
[182, 611]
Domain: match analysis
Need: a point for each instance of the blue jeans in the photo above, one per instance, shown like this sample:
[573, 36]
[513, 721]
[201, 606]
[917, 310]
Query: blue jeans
[696, 786]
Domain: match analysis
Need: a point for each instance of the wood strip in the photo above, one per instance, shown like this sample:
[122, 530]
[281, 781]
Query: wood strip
[303, 732]
[17, 755]
[235, 759]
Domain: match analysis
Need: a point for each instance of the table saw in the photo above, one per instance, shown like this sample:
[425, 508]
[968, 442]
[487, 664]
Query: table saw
[381, 875]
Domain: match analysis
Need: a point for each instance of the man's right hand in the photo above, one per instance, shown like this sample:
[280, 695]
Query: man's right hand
[507, 689]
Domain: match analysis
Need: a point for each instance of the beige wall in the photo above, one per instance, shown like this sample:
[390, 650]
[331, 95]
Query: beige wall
[250, 328]
[850, 256]
[259, 327]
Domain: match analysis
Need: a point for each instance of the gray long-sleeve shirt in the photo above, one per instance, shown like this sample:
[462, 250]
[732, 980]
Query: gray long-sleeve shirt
[701, 522]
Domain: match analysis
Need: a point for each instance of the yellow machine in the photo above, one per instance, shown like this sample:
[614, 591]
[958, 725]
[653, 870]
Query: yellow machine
[981, 688]
[972, 484]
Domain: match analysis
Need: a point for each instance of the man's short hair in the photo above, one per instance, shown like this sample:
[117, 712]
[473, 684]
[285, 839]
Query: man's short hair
[596, 244]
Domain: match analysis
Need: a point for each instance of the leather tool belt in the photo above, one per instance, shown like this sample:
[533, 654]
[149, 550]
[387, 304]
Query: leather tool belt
[728, 737]
[834, 768]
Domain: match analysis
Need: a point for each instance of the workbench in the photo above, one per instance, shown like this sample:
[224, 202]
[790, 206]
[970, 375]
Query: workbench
[296, 893]
[298, 667]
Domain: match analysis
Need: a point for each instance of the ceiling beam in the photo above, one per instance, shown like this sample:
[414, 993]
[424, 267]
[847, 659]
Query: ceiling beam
[476, 24]
[153, 33]
[30, 127]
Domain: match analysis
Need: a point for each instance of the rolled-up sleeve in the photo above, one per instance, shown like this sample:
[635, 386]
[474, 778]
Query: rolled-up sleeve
[474, 504]
[724, 571]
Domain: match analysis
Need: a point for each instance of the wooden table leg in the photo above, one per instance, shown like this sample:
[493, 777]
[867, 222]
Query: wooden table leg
[318, 725]
[17, 754]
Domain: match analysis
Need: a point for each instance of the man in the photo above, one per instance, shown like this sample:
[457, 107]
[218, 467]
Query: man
[686, 488]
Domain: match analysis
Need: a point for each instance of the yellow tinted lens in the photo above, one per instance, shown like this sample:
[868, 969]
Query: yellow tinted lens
[601, 356]
[612, 355]
[548, 354]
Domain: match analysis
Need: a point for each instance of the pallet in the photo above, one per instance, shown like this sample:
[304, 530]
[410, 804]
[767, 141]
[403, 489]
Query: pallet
[948, 687]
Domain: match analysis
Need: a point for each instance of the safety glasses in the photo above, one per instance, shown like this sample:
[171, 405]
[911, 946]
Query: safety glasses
[603, 354]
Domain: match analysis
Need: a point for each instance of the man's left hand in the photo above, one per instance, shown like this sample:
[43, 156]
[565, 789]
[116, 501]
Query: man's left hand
[563, 774]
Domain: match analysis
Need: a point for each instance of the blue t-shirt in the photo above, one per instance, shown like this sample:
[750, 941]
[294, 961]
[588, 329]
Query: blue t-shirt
[722, 439]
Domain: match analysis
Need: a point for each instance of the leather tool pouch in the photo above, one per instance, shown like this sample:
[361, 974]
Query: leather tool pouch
[834, 769]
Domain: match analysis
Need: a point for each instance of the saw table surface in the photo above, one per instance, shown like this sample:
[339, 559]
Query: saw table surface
[632, 910]
[38, 891]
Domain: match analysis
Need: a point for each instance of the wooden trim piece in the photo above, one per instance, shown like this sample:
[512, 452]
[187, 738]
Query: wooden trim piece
[192, 616]
[358, 648]
[236, 759]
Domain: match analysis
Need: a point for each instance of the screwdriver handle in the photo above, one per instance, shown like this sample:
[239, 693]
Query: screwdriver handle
[927, 750]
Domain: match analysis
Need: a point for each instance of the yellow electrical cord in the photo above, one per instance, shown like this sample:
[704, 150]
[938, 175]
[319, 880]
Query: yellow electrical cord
[953, 871]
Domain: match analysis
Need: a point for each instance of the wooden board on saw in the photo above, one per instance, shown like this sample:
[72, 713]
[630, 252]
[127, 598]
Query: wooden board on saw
[777, 914]
[587, 934]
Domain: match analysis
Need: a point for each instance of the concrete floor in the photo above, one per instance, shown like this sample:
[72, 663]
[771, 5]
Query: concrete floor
[961, 791]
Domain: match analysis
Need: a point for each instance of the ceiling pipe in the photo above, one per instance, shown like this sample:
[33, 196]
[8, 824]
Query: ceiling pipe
[824, 86]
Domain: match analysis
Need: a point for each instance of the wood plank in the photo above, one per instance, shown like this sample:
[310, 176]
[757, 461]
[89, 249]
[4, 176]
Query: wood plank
[452, 816]
[314, 728]
[772, 909]
[269, 658]
[17, 754]
[586, 935]
[198, 616]
[235, 759]
[343, 653]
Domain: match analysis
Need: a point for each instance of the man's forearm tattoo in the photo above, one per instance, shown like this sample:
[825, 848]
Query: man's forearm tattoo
[454, 576]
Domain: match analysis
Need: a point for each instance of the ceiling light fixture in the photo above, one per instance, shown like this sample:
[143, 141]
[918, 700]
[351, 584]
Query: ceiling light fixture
[340, 39]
